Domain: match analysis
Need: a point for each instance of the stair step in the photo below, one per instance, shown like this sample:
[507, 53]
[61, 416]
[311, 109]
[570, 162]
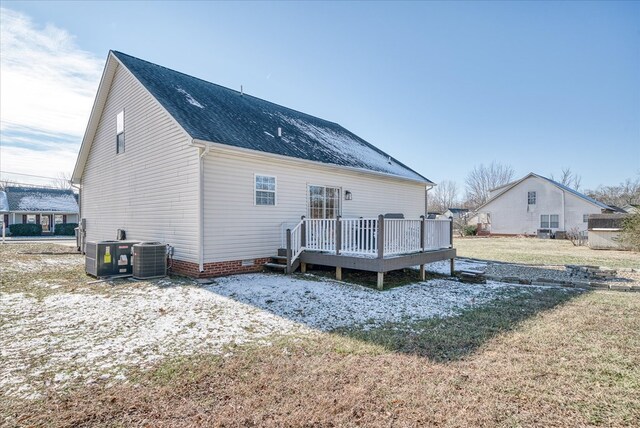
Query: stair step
[279, 258]
[276, 266]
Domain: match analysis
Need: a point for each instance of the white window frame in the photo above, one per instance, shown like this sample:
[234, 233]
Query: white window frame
[542, 221]
[549, 226]
[35, 219]
[324, 208]
[529, 198]
[118, 133]
[585, 218]
[56, 216]
[256, 190]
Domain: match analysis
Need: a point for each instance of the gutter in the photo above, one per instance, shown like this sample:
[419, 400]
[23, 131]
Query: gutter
[202, 152]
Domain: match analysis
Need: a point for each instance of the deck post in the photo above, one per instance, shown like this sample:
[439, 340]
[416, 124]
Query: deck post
[303, 233]
[380, 242]
[289, 251]
[338, 232]
[451, 232]
[303, 267]
[339, 273]
[422, 273]
[423, 226]
[380, 280]
[452, 266]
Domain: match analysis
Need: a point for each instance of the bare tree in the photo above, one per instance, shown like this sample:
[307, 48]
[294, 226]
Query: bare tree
[445, 195]
[6, 183]
[484, 178]
[627, 192]
[569, 179]
[62, 182]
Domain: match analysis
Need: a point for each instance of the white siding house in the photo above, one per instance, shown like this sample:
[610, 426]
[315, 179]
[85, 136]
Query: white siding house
[220, 174]
[535, 202]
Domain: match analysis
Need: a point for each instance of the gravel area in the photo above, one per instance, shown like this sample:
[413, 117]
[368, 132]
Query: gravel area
[536, 273]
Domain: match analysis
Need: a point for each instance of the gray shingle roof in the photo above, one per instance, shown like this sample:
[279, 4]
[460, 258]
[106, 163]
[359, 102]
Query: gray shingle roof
[213, 113]
[29, 199]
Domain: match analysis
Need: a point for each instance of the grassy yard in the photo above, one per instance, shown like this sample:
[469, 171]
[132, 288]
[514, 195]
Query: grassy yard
[530, 357]
[543, 251]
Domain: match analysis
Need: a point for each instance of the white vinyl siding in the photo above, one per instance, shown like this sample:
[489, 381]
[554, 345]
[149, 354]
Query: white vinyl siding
[152, 192]
[236, 229]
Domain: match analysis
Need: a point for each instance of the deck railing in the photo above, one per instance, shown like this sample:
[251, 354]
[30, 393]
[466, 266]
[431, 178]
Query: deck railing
[370, 237]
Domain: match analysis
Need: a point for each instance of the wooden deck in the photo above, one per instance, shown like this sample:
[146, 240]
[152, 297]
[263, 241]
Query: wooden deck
[375, 245]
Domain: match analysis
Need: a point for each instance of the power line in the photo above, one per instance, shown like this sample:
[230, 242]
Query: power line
[30, 175]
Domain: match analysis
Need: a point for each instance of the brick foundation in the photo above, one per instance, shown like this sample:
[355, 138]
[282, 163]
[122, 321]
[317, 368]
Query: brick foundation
[216, 268]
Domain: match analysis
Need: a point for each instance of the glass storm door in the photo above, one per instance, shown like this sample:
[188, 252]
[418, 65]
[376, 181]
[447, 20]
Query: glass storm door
[45, 222]
[324, 202]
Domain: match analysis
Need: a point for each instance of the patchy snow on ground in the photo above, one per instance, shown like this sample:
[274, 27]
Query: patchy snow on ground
[328, 305]
[44, 263]
[49, 341]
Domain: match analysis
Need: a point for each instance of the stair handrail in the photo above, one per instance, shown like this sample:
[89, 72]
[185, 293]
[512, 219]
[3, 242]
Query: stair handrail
[295, 243]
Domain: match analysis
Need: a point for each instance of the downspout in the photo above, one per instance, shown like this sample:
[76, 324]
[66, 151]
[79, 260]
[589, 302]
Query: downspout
[426, 200]
[81, 231]
[202, 152]
[564, 213]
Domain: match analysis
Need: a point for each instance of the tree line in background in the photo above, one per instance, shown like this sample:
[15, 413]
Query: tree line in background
[483, 178]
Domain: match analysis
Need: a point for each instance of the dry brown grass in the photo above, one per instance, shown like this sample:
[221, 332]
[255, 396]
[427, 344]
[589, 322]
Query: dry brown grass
[543, 251]
[556, 360]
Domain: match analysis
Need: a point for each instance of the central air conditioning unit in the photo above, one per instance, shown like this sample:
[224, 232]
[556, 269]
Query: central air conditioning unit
[149, 260]
[108, 258]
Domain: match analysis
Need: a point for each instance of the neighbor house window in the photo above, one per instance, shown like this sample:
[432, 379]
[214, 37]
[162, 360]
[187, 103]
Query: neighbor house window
[549, 221]
[585, 218]
[31, 219]
[58, 219]
[544, 221]
[265, 190]
[531, 198]
[120, 132]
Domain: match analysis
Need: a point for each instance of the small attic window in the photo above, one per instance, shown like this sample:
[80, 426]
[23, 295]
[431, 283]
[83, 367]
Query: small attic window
[120, 132]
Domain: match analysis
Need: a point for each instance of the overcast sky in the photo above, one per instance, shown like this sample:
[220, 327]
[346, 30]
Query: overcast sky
[440, 86]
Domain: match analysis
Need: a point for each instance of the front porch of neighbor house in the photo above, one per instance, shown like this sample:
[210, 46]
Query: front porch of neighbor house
[371, 244]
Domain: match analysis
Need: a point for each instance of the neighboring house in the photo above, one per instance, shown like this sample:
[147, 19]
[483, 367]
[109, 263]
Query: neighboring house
[220, 174]
[535, 202]
[604, 231]
[47, 207]
[456, 213]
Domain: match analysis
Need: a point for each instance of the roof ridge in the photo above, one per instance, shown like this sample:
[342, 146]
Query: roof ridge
[243, 94]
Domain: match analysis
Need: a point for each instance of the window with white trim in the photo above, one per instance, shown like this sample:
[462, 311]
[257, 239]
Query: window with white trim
[31, 219]
[120, 132]
[585, 218]
[324, 202]
[531, 198]
[549, 221]
[265, 190]
[58, 219]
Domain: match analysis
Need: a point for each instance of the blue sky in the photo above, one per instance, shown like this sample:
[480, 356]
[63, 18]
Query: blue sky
[440, 86]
